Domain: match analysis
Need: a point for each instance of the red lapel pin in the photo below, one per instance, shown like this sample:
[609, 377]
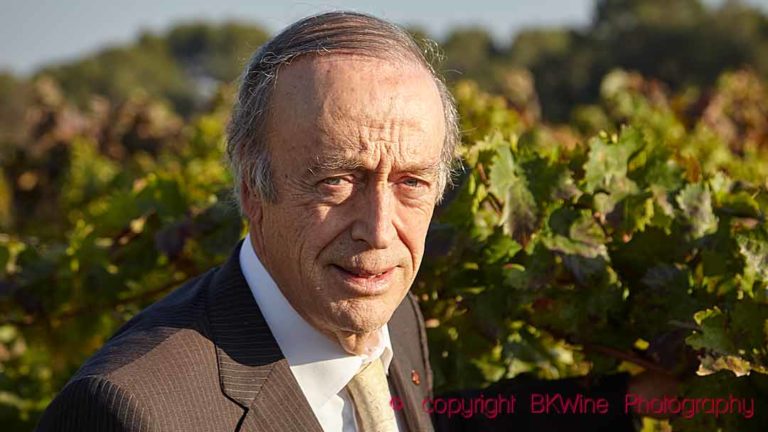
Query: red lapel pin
[415, 378]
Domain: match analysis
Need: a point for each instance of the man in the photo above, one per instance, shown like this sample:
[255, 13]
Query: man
[341, 143]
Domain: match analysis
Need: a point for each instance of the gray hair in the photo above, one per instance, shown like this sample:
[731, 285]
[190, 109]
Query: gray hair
[329, 33]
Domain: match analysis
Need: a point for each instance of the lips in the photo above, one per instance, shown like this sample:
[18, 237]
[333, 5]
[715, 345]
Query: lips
[365, 281]
[363, 273]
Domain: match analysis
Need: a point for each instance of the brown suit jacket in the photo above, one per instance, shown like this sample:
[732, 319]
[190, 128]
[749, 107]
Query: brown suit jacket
[204, 359]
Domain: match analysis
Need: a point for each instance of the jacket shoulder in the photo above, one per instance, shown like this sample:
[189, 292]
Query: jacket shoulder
[163, 365]
[95, 404]
[182, 310]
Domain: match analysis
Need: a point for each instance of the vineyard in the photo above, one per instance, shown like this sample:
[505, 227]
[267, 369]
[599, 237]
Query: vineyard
[631, 237]
[634, 239]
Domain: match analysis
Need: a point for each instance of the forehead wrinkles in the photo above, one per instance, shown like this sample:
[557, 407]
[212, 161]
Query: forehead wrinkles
[393, 141]
[345, 118]
[358, 108]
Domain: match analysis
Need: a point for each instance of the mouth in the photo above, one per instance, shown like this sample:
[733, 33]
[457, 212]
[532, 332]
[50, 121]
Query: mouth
[365, 281]
[363, 273]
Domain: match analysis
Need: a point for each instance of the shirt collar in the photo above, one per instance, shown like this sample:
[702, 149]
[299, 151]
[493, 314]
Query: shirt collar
[321, 367]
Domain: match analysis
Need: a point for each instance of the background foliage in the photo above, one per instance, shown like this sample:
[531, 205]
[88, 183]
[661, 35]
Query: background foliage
[610, 217]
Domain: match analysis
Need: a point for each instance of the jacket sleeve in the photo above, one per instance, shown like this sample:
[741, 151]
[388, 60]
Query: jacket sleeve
[94, 404]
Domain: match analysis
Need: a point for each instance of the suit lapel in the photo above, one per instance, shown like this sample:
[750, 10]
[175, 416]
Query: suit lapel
[252, 370]
[400, 372]
[404, 396]
[280, 407]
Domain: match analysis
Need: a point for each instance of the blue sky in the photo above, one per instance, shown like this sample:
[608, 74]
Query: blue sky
[37, 32]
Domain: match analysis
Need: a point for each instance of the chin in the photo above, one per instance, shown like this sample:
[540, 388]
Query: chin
[362, 315]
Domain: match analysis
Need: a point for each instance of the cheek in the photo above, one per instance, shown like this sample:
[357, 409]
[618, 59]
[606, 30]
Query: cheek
[276, 250]
[328, 223]
[308, 231]
[413, 224]
[286, 228]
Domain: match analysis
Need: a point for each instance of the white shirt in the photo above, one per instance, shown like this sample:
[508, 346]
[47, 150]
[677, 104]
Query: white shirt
[321, 366]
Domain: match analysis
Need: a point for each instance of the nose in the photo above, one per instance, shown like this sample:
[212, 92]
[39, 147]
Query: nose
[374, 223]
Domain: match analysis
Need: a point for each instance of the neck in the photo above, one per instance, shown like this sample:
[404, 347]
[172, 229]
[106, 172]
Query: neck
[359, 343]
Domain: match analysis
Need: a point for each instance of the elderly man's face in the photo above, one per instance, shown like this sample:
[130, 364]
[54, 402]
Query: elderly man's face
[355, 145]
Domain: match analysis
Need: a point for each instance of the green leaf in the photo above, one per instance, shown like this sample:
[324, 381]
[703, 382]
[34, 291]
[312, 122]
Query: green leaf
[663, 211]
[753, 246]
[712, 333]
[585, 237]
[695, 203]
[548, 181]
[607, 166]
[748, 325]
[740, 204]
[500, 248]
[713, 364]
[633, 213]
[508, 183]
[605, 172]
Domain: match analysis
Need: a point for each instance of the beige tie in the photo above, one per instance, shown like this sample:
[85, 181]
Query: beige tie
[370, 393]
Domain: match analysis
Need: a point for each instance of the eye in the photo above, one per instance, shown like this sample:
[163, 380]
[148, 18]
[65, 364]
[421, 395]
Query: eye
[332, 181]
[413, 182]
[337, 182]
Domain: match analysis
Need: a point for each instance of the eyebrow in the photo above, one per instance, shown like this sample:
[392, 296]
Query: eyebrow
[341, 163]
[420, 170]
[333, 163]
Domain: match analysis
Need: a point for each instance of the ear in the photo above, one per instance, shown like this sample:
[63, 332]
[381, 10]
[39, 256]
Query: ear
[252, 205]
